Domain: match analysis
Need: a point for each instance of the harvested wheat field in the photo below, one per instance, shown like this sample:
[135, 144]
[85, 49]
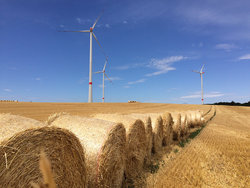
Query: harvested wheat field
[218, 157]
[178, 146]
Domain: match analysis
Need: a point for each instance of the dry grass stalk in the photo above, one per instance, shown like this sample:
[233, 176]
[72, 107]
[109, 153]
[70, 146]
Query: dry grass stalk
[53, 117]
[45, 168]
[62, 147]
[105, 144]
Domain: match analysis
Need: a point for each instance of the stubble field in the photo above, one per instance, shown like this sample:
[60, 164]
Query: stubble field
[218, 157]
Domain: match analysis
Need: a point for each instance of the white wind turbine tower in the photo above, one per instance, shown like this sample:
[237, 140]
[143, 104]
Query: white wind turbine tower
[201, 73]
[103, 78]
[90, 100]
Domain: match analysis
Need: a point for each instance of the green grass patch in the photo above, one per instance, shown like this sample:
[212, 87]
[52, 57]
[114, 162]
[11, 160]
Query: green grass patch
[184, 142]
[154, 168]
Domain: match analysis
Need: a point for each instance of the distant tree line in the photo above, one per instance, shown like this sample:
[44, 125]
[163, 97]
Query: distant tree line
[233, 103]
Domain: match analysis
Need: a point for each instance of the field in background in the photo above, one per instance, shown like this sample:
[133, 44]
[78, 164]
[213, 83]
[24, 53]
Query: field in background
[41, 111]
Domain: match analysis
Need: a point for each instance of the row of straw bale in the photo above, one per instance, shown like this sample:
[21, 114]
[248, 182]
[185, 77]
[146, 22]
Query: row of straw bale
[102, 151]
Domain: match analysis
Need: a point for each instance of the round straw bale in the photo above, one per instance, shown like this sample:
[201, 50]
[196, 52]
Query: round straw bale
[176, 126]
[136, 143]
[149, 134]
[184, 128]
[105, 145]
[195, 119]
[19, 158]
[167, 128]
[11, 124]
[157, 134]
[198, 118]
[188, 120]
[192, 119]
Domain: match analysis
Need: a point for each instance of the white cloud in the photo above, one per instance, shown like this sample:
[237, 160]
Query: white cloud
[83, 21]
[7, 90]
[131, 66]
[107, 25]
[62, 26]
[196, 95]
[245, 57]
[126, 87]
[38, 79]
[137, 81]
[125, 22]
[79, 20]
[164, 65]
[226, 47]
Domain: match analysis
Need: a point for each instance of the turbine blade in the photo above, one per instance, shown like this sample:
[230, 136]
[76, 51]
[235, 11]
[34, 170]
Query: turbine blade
[202, 68]
[105, 66]
[108, 78]
[80, 31]
[196, 71]
[98, 72]
[99, 45]
[97, 19]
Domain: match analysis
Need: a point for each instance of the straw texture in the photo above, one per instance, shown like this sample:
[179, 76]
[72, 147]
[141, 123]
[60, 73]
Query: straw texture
[11, 124]
[105, 144]
[19, 158]
[149, 133]
[136, 144]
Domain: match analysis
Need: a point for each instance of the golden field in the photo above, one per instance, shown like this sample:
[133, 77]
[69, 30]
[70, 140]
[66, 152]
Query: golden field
[218, 157]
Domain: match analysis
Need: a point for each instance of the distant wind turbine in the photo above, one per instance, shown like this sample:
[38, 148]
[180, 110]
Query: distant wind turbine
[201, 73]
[103, 79]
[90, 100]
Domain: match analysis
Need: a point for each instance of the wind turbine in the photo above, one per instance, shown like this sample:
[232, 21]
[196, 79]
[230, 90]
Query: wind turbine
[103, 79]
[90, 99]
[201, 73]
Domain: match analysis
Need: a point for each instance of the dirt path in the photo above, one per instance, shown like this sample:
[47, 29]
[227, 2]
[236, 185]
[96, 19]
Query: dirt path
[218, 157]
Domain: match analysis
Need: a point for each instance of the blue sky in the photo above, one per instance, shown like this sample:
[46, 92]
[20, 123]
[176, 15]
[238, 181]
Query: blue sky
[152, 46]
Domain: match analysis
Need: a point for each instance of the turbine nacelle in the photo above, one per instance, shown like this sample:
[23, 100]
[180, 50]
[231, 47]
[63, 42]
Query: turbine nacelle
[91, 29]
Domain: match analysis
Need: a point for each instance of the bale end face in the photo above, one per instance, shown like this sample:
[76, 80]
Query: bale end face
[136, 150]
[167, 128]
[157, 135]
[22, 153]
[177, 128]
[111, 163]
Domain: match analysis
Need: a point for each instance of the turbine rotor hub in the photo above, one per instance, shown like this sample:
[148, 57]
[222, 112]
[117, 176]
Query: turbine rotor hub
[91, 29]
